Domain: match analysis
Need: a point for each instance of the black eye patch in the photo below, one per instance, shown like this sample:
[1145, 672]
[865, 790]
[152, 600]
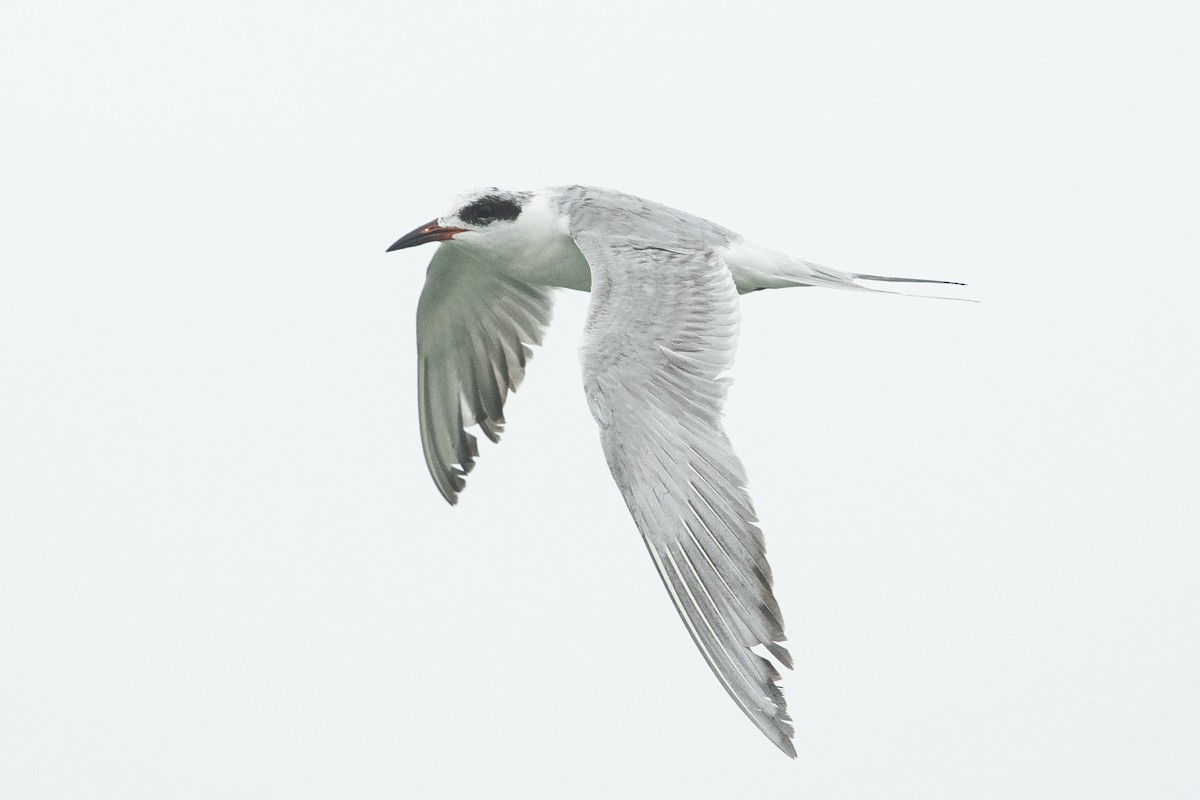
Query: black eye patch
[487, 210]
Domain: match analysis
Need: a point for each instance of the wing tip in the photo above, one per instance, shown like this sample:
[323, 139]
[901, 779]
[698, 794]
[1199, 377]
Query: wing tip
[781, 654]
[449, 482]
[492, 428]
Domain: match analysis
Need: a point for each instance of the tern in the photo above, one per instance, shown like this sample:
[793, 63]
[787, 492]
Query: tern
[661, 329]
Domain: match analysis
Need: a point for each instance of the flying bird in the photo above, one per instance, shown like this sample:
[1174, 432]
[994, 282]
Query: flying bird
[661, 330]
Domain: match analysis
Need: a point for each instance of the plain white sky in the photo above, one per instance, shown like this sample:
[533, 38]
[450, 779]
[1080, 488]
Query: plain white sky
[225, 573]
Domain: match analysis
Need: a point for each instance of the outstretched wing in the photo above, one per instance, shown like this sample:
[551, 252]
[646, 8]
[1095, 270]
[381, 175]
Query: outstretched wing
[661, 328]
[474, 331]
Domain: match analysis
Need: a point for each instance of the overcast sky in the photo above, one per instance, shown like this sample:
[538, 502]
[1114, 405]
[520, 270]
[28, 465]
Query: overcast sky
[225, 572]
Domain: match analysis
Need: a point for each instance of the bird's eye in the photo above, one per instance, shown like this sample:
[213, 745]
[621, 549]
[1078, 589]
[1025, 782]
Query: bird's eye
[487, 210]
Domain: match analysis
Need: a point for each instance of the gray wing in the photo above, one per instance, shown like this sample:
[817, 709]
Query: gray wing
[662, 327]
[591, 208]
[474, 329]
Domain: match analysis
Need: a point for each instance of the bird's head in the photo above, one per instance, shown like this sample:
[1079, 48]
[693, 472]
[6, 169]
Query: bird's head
[486, 218]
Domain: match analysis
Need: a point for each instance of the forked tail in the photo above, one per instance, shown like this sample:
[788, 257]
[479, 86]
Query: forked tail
[757, 268]
[860, 276]
[865, 277]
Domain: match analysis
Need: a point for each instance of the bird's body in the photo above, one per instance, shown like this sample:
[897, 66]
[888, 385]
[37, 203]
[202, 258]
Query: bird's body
[539, 249]
[661, 330]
